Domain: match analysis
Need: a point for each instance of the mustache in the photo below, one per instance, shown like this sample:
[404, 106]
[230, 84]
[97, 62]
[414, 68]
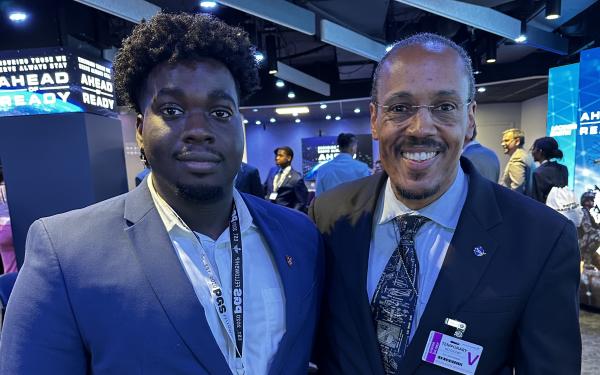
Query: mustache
[186, 151]
[409, 142]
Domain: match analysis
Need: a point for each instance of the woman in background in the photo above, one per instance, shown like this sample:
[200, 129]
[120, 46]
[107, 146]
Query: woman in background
[549, 173]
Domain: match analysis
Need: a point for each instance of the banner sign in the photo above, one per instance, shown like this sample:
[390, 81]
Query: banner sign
[587, 154]
[563, 114]
[54, 80]
[317, 151]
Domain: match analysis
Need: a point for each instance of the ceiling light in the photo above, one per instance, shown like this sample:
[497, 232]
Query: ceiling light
[291, 95]
[295, 114]
[257, 122]
[476, 72]
[481, 89]
[17, 16]
[323, 106]
[490, 53]
[297, 120]
[553, 9]
[337, 118]
[254, 109]
[272, 120]
[271, 45]
[357, 110]
[279, 83]
[328, 117]
[245, 121]
[208, 4]
[291, 110]
[258, 56]
[522, 38]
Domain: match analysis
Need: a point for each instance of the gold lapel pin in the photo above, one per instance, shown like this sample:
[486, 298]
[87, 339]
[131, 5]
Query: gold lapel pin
[289, 260]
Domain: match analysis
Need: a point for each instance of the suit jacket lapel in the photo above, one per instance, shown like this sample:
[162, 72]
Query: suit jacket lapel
[462, 268]
[294, 279]
[353, 258]
[153, 248]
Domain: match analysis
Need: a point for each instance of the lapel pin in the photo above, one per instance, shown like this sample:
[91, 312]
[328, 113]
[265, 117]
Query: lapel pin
[289, 260]
[479, 251]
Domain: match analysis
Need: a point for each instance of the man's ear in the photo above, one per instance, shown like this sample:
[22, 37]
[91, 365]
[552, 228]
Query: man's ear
[471, 120]
[373, 118]
[139, 127]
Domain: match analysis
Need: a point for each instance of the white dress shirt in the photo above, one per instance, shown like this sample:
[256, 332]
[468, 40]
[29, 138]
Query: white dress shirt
[280, 177]
[264, 302]
[431, 241]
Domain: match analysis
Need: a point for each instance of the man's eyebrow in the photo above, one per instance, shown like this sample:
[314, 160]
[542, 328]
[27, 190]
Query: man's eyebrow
[221, 95]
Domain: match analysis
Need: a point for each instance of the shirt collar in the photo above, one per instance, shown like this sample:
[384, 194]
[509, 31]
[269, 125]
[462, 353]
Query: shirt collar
[344, 155]
[445, 211]
[172, 221]
[287, 169]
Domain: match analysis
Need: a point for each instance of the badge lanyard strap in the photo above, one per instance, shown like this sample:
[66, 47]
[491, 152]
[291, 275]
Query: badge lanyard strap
[236, 335]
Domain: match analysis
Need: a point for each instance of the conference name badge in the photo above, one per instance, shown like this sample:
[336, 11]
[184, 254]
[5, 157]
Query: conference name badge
[273, 196]
[452, 353]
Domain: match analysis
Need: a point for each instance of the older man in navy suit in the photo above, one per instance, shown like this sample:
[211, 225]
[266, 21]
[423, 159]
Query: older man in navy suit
[431, 268]
[183, 275]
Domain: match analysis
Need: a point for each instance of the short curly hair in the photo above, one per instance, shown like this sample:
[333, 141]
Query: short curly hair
[175, 37]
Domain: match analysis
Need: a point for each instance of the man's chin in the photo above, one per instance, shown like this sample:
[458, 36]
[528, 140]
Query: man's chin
[200, 193]
[403, 192]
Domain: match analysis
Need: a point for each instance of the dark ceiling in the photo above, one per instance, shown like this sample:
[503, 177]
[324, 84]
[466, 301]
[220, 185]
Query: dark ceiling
[69, 23]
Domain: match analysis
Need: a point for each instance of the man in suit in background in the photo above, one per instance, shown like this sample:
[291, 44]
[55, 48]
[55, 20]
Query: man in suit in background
[182, 275]
[518, 174]
[484, 159]
[343, 167]
[248, 181]
[430, 251]
[284, 185]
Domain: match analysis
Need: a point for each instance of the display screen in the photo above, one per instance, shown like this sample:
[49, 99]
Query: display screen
[317, 151]
[54, 80]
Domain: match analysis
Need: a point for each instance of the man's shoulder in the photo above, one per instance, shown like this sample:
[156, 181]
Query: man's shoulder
[109, 208]
[519, 209]
[348, 197]
[276, 211]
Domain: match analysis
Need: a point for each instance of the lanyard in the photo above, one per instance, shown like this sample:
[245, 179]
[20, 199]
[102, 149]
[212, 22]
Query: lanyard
[235, 331]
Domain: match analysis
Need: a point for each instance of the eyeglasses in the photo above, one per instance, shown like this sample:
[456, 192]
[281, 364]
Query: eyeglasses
[443, 112]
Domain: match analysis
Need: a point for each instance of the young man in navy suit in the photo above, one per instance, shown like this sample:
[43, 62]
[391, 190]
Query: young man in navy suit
[431, 268]
[183, 275]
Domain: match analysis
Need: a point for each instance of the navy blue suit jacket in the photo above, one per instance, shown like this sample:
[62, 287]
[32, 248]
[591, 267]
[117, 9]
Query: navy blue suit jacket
[102, 291]
[519, 301]
[248, 181]
[292, 193]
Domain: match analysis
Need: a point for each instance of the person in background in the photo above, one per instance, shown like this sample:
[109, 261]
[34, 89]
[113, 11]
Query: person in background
[343, 167]
[184, 274]
[549, 173]
[431, 250]
[248, 181]
[518, 172]
[377, 167]
[484, 159]
[284, 185]
[589, 232]
[7, 249]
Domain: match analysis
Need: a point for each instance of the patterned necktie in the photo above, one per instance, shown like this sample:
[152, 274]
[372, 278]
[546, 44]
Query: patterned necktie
[395, 298]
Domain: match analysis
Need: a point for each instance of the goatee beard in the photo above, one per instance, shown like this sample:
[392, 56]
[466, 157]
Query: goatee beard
[201, 193]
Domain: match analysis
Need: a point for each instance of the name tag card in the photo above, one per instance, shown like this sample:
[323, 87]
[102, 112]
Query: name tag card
[273, 196]
[452, 353]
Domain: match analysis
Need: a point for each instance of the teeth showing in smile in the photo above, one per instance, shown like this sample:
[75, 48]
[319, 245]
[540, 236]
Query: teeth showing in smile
[418, 156]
